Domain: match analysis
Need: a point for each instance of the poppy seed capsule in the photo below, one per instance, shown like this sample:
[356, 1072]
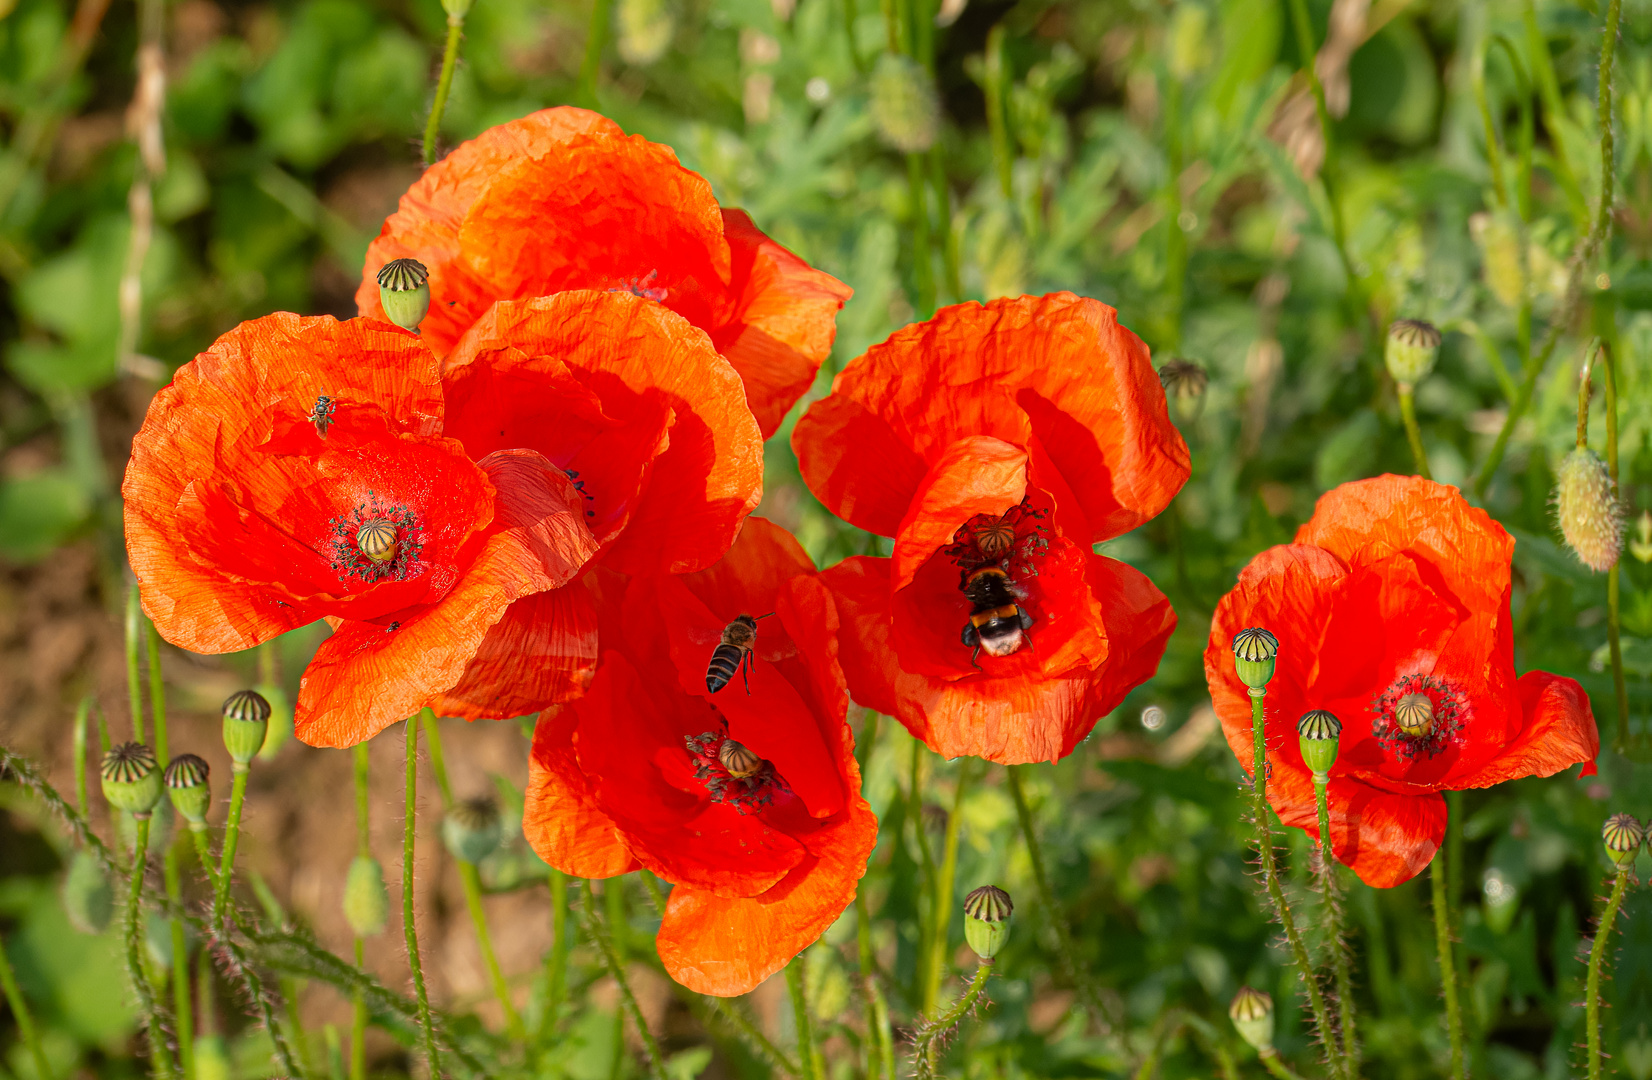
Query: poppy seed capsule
[88, 898]
[246, 722]
[131, 778]
[366, 902]
[987, 913]
[1410, 350]
[1252, 1015]
[905, 107]
[1318, 732]
[404, 291]
[1587, 510]
[471, 829]
[187, 787]
[737, 760]
[1623, 835]
[1414, 715]
[1254, 651]
[376, 539]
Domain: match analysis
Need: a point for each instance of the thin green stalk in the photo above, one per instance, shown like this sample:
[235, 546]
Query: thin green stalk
[616, 971]
[180, 964]
[943, 209]
[940, 905]
[759, 1043]
[1276, 1065]
[1494, 155]
[806, 1052]
[1309, 52]
[923, 272]
[81, 713]
[1597, 953]
[358, 1000]
[232, 837]
[157, 693]
[156, 1028]
[203, 854]
[851, 15]
[880, 1043]
[358, 1025]
[410, 930]
[1175, 240]
[556, 961]
[1413, 435]
[926, 863]
[926, 1047]
[1555, 109]
[1613, 633]
[134, 681]
[1270, 874]
[596, 38]
[22, 1017]
[998, 133]
[444, 82]
[619, 925]
[1448, 964]
[1333, 928]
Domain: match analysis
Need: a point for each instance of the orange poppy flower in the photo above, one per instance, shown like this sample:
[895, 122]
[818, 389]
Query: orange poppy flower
[997, 443]
[562, 199]
[298, 470]
[1393, 605]
[749, 802]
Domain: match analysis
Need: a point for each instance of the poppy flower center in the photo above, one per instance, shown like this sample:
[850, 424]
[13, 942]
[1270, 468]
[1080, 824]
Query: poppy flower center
[375, 542]
[644, 287]
[1418, 715]
[579, 486]
[1014, 541]
[732, 772]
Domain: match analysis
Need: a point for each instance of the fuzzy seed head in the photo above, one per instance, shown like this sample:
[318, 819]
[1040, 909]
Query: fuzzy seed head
[905, 107]
[1587, 510]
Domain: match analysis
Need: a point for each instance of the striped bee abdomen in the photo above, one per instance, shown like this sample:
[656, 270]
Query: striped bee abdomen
[725, 661]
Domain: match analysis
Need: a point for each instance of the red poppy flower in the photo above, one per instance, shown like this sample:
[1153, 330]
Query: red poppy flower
[298, 470]
[562, 199]
[1392, 612]
[749, 802]
[997, 444]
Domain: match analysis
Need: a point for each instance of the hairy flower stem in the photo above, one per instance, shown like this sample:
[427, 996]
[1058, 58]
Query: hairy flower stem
[358, 1001]
[940, 906]
[410, 930]
[179, 970]
[1333, 928]
[232, 837]
[161, 1060]
[556, 961]
[616, 970]
[1437, 874]
[1609, 380]
[1276, 1065]
[807, 1054]
[933, 1030]
[358, 1023]
[880, 1043]
[1264, 843]
[444, 82]
[1597, 953]
[22, 1017]
[1413, 435]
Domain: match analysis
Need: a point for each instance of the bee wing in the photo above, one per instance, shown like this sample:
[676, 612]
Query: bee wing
[775, 649]
[702, 635]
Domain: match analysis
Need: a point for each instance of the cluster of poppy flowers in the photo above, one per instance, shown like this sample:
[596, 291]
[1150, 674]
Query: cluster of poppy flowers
[540, 500]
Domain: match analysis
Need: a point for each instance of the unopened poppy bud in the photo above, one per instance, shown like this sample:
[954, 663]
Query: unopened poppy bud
[1252, 1015]
[471, 829]
[1588, 510]
[1623, 836]
[1318, 731]
[905, 107]
[1414, 715]
[88, 898]
[404, 284]
[737, 759]
[987, 913]
[246, 722]
[1254, 650]
[1641, 546]
[187, 787]
[366, 903]
[1410, 351]
[131, 778]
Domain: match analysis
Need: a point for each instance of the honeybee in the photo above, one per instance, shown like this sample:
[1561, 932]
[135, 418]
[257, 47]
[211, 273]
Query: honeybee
[734, 652]
[996, 621]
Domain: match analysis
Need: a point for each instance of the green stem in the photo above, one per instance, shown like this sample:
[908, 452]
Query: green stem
[993, 70]
[806, 1052]
[157, 693]
[743, 1028]
[358, 1000]
[134, 937]
[940, 906]
[1276, 1065]
[134, 681]
[1276, 892]
[616, 971]
[1549, 93]
[1609, 380]
[203, 855]
[1413, 435]
[1448, 965]
[22, 1017]
[181, 1001]
[923, 270]
[1175, 240]
[444, 82]
[619, 926]
[232, 837]
[926, 1048]
[943, 209]
[1597, 953]
[596, 38]
[880, 1049]
[1333, 927]
[358, 1025]
[556, 961]
[410, 929]
[1305, 46]
[81, 713]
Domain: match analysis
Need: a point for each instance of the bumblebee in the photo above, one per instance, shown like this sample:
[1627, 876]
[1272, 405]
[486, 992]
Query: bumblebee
[733, 653]
[996, 621]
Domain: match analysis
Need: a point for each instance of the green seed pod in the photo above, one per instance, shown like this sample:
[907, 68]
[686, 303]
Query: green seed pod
[1184, 383]
[1318, 731]
[246, 722]
[187, 787]
[88, 898]
[471, 829]
[1410, 351]
[1254, 650]
[1252, 1015]
[404, 285]
[366, 902]
[987, 913]
[212, 1060]
[1623, 836]
[1587, 510]
[131, 778]
[905, 107]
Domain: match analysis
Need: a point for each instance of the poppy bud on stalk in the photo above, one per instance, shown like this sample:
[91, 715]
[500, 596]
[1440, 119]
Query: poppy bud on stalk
[987, 913]
[131, 778]
[246, 722]
[187, 787]
[1254, 650]
[404, 284]
[1184, 385]
[1588, 511]
[1410, 351]
[471, 829]
[1623, 835]
[904, 104]
[366, 903]
[1252, 1015]
[1318, 731]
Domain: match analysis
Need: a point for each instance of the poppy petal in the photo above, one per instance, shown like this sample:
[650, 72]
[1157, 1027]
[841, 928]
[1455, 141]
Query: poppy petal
[975, 475]
[560, 817]
[1384, 837]
[1559, 732]
[541, 653]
